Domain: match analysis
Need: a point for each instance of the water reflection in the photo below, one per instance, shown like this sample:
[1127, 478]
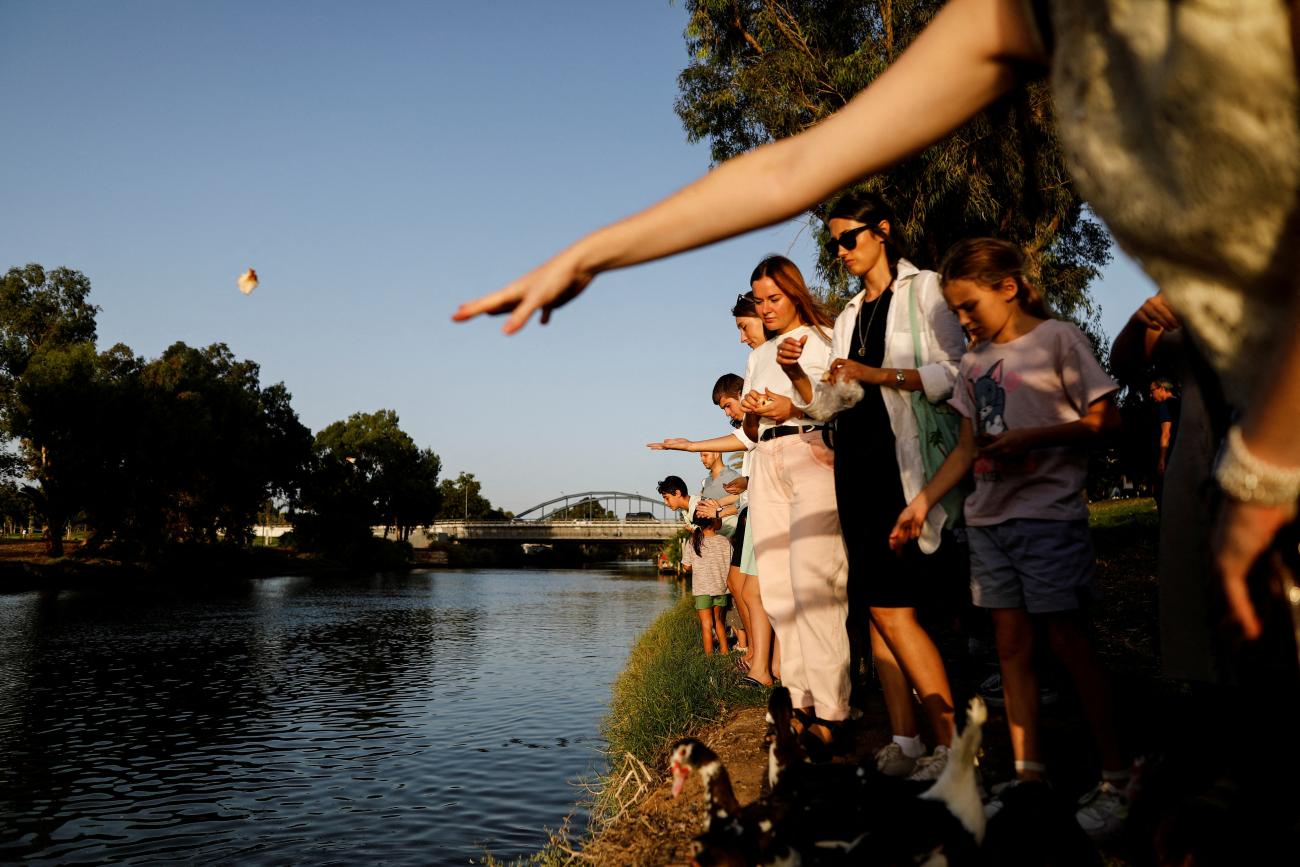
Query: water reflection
[410, 719]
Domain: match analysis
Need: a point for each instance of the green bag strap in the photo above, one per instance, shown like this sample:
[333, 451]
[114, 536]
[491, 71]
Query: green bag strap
[912, 316]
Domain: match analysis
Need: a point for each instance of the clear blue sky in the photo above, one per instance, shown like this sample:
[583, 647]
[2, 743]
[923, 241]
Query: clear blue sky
[377, 164]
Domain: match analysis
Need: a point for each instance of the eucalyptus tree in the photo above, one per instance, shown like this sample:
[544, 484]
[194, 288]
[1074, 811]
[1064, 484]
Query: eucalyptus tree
[215, 444]
[762, 70]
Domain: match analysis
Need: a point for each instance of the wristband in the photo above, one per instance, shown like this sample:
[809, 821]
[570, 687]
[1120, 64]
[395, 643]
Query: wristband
[1249, 479]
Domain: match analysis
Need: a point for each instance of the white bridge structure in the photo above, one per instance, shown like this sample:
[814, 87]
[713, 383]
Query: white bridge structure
[578, 518]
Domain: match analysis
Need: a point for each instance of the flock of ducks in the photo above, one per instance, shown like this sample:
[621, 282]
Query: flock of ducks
[839, 814]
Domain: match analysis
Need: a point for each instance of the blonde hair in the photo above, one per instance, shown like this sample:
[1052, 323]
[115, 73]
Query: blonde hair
[988, 261]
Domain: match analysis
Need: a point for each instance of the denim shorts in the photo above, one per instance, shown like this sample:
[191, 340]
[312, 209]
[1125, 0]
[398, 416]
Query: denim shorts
[1038, 565]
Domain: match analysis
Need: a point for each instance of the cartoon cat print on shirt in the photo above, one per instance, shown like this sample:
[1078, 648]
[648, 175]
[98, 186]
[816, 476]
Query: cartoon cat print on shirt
[990, 401]
[988, 395]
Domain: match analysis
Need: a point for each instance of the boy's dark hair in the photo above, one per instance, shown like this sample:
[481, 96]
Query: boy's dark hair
[728, 385]
[673, 485]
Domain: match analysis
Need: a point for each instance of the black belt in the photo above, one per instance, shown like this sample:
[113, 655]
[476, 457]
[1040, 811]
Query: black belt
[785, 430]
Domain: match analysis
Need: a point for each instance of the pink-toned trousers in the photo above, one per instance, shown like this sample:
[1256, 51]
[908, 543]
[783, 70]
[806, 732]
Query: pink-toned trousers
[802, 568]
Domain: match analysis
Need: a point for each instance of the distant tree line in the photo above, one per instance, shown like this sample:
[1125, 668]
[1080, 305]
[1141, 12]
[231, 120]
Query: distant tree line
[186, 448]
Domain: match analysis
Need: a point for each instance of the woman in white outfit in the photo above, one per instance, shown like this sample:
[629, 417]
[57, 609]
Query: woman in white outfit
[802, 570]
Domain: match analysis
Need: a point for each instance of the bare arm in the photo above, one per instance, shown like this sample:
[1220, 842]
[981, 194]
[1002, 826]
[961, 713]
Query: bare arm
[1135, 345]
[957, 66]
[1102, 417]
[726, 443]
[955, 468]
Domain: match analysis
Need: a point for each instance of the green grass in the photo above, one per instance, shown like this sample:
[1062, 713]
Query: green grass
[670, 689]
[1137, 514]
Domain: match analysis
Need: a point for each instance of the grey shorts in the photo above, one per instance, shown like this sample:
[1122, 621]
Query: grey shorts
[1040, 566]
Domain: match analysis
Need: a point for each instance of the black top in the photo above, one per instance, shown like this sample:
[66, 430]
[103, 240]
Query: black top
[869, 415]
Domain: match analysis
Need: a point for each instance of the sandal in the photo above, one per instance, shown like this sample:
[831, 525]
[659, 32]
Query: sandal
[818, 750]
[742, 666]
[750, 683]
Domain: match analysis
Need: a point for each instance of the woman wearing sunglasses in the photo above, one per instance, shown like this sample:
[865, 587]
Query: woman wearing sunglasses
[878, 463]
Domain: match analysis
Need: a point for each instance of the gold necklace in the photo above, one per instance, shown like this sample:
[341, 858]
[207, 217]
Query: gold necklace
[862, 340]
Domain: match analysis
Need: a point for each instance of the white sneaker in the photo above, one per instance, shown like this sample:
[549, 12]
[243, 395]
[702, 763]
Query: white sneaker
[994, 804]
[931, 766]
[893, 762]
[1102, 811]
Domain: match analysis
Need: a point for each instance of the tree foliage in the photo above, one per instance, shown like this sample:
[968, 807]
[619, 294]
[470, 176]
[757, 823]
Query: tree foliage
[366, 472]
[184, 448]
[462, 499]
[763, 70]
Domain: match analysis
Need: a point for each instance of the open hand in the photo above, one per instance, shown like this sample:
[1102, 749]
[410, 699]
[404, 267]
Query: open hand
[737, 485]
[678, 444]
[552, 285]
[707, 508]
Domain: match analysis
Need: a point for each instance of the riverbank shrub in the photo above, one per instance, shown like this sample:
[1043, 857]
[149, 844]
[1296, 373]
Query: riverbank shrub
[670, 689]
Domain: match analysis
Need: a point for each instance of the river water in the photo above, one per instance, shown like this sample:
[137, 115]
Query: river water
[412, 719]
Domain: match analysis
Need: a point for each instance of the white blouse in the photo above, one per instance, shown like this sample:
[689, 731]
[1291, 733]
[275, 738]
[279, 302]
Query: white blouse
[763, 372]
[942, 346]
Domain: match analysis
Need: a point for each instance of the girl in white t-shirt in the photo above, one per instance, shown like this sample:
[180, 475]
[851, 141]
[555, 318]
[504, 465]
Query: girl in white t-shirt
[1032, 396]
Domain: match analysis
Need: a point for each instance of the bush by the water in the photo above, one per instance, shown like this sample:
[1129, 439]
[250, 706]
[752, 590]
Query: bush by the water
[670, 689]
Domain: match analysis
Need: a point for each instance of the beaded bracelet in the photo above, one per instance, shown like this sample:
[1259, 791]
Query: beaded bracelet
[1249, 479]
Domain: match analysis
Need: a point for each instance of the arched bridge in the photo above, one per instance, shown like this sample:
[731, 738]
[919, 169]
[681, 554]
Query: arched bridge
[591, 516]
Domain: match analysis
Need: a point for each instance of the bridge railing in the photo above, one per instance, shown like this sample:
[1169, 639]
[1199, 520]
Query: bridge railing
[543, 531]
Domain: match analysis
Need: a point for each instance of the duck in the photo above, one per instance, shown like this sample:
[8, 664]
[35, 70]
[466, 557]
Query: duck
[852, 814]
[838, 813]
[733, 835]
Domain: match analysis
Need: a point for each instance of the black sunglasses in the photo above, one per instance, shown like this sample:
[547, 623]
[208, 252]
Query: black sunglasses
[848, 240]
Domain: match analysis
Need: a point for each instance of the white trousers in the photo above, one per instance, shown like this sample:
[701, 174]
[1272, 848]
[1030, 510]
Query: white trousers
[802, 568]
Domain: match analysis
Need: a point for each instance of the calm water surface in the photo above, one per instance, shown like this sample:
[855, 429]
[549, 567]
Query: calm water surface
[408, 719]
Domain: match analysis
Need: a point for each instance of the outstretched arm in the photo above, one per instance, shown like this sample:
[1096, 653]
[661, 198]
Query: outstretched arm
[727, 443]
[963, 61]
